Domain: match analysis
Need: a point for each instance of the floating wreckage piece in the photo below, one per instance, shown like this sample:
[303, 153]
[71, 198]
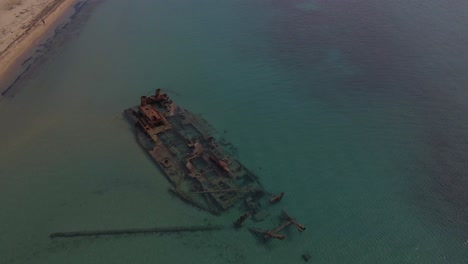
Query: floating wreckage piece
[277, 198]
[266, 235]
[154, 230]
[241, 219]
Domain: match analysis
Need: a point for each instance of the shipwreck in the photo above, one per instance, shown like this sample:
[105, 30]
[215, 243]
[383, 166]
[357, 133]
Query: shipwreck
[200, 171]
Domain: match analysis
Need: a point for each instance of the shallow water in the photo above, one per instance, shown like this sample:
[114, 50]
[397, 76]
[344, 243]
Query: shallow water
[356, 111]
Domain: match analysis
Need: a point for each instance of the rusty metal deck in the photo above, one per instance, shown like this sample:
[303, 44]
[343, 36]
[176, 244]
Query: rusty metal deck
[181, 144]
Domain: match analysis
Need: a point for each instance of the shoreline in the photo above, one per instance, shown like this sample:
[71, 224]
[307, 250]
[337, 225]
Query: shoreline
[14, 58]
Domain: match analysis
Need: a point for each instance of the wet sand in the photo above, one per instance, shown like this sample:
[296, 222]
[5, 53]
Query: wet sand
[24, 24]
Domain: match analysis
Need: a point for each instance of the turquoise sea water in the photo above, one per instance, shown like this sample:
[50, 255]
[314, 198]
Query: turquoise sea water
[356, 110]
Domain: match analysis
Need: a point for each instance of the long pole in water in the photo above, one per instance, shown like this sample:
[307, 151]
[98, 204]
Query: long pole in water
[135, 231]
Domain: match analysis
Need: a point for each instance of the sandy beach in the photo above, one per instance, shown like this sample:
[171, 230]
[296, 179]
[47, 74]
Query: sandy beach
[23, 24]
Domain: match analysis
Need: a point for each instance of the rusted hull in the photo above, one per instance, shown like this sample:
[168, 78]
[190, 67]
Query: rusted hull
[182, 146]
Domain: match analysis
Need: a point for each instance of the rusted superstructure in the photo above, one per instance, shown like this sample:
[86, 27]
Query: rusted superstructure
[201, 172]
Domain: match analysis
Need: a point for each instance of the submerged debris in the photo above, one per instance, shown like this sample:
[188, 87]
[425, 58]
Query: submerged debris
[154, 230]
[306, 257]
[266, 235]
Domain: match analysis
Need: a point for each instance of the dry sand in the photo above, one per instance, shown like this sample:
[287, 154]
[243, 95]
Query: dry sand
[23, 24]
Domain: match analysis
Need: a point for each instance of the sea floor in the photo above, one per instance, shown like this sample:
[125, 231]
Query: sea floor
[370, 158]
